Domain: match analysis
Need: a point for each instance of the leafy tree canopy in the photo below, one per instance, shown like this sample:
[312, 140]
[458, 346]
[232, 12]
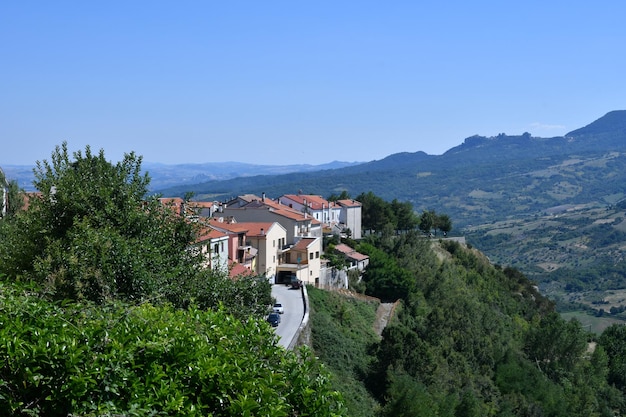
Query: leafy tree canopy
[94, 235]
[62, 359]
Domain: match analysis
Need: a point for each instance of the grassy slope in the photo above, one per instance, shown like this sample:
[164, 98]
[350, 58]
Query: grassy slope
[342, 333]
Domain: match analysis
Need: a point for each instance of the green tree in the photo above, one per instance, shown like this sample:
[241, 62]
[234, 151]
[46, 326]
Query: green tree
[556, 345]
[95, 235]
[405, 217]
[427, 221]
[343, 196]
[613, 341]
[443, 223]
[376, 213]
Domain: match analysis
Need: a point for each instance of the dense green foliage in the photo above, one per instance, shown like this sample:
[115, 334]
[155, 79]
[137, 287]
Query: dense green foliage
[93, 235]
[394, 217]
[63, 359]
[613, 341]
[104, 310]
[472, 339]
[342, 336]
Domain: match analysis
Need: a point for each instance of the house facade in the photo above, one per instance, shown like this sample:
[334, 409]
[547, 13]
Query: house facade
[355, 259]
[350, 217]
[213, 246]
[296, 223]
[270, 240]
[240, 252]
[322, 210]
[259, 245]
[302, 261]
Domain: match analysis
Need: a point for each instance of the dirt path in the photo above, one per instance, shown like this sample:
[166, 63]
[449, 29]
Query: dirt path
[383, 314]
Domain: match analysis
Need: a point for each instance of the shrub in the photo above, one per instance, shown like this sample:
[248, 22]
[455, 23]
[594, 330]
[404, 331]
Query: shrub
[67, 358]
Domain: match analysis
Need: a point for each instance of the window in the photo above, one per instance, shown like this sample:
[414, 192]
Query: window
[317, 254]
[274, 243]
[311, 255]
[216, 248]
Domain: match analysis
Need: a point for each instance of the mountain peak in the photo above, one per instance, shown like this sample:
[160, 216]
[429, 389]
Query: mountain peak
[611, 124]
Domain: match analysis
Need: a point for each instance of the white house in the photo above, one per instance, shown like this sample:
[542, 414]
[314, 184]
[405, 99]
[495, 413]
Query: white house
[350, 216]
[318, 207]
[213, 245]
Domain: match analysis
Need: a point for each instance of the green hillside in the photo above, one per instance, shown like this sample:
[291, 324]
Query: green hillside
[469, 339]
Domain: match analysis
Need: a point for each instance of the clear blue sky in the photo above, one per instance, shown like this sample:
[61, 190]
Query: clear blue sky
[282, 82]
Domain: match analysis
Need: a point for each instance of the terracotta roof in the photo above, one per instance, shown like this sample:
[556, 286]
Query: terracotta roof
[315, 202]
[171, 200]
[231, 227]
[201, 204]
[254, 228]
[357, 256]
[207, 233]
[349, 203]
[29, 196]
[279, 209]
[237, 270]
[350, 253]
[343, 248]
[303, 243]
[174, 203]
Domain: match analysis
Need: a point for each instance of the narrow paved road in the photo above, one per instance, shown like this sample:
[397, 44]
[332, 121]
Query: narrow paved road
[294, 312]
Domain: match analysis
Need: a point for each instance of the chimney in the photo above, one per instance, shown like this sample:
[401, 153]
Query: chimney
[262, 232]
[263, 197]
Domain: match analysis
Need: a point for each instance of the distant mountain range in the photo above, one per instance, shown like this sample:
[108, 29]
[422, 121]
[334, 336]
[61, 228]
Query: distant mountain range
[172, 175]
[483, 179]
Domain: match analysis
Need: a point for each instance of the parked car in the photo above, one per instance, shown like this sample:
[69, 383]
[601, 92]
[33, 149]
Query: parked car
[273, 319]
[278, 308]
[296, 283]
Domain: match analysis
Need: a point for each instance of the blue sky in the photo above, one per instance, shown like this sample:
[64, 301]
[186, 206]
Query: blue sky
[279, 82]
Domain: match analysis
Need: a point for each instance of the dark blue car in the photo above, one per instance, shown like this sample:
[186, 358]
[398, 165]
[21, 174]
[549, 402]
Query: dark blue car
[273, 319]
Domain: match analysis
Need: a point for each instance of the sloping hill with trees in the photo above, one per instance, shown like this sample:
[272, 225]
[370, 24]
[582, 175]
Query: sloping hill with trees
[469, 339]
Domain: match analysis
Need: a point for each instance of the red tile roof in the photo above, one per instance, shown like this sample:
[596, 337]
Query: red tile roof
[208, 233]
[350, 253]
[315, 202]
[29, 196]
[238, 270]
[303, 243]
[254, 228]
[279, 209]
[349, 203]
[201, 204]
[231, 227]
[343, 248]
